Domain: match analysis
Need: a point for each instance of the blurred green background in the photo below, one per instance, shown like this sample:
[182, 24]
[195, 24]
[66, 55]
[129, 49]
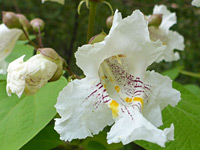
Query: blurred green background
[65, 31]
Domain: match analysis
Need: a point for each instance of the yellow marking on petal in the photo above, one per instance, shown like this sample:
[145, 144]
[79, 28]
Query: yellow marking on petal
[6, 51]
[139, 99]
[128, 100]
[103, 77]
[164, 43]
[114, 107]
[104, 86]
[117, 88]
[111, 79]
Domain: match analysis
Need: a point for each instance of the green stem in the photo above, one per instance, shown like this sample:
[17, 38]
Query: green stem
[93, 6]
[197, 75]
[30, 42]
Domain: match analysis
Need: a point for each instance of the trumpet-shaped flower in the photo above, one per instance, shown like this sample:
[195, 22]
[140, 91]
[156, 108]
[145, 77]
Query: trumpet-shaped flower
[28, 77]
[117, 88]
[196, 3]
[171, 39]
[8, 38]
[58, 1]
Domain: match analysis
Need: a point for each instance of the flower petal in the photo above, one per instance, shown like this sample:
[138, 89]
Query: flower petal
[3, 67]
[196, 3]
[8, 38]
[162, 94]
[129, 37]
[19, 83]
[131, 126]
[83, 112]
[171, 39]
[168, 19]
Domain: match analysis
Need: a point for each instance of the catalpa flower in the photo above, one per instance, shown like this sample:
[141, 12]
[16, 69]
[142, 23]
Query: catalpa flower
[171, 39]
[8, 38]
[196, 3]
[58, 1]
[117, 88]
[28, 77]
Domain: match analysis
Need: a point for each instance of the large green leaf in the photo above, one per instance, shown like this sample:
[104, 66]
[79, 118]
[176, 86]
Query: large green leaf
[193, 89]
[186, 119]
[20, 49]
[47, 139]
[21, 119]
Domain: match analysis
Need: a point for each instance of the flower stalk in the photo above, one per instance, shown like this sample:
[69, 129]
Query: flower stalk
[31, 42]
[197, 75]
[92, 13]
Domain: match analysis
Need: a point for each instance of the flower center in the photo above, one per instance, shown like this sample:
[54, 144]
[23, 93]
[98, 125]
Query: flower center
[122, 87]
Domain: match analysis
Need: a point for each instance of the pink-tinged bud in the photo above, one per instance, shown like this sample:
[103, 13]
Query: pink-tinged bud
[97, 38]
[37, 24]
[174, 5]
[11, 20]
[109, 22]
[24, 21]
[155, 20]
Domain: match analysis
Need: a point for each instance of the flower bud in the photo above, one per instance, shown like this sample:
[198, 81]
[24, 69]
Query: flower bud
[109, 22]
[11, 20]
[97, 38]
[53, 56]
[155, 20]
[24, 21]
[28, 77]
[37, 24]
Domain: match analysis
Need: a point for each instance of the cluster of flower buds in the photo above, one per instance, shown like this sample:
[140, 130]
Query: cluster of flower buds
[19, 21]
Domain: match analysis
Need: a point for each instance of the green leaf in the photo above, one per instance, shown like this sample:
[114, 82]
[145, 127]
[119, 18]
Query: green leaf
[92, 145]
[172, 73]
[101, 139]
[21, 119]
[193, 89]
[20, 49]
[186, 119]
[46, 139]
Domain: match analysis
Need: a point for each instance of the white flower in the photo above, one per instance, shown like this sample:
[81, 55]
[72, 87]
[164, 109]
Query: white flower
[8, 38]
[28, 77]
[171, 39]
[117, 88]
[196, 3]
[59, 1]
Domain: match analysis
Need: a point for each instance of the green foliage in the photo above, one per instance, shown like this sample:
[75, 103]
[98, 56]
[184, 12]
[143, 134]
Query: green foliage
[46, 139]
[172, 73]
[100, 141]
[21, 119]
[185, 117]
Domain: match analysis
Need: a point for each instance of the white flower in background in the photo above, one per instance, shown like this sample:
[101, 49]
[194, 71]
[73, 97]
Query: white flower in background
[117, 88]
[171, 39]
[196, 3]
[8, 38]
[59, 1]
[28, 77]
